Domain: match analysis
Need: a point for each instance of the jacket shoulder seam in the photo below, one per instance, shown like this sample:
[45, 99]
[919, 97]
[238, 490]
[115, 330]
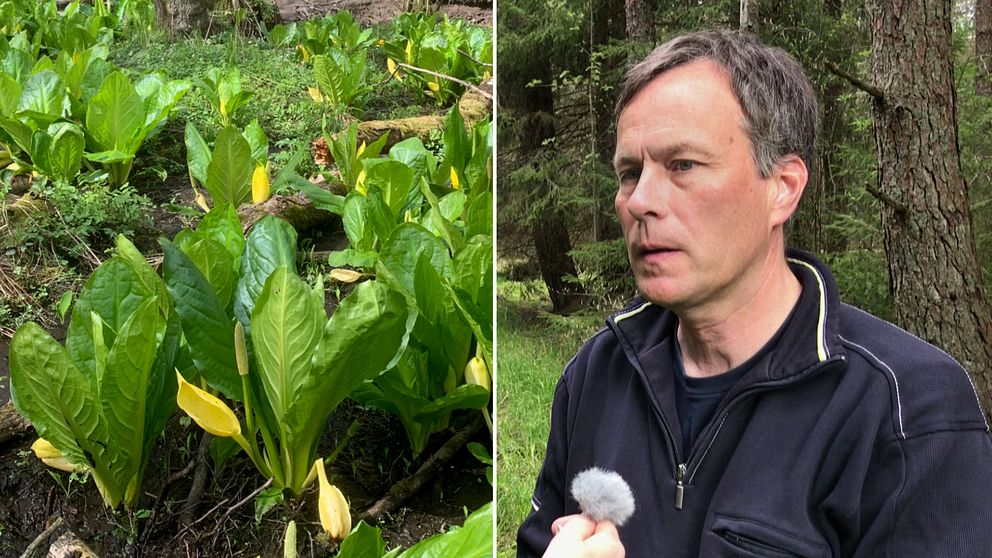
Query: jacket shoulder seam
[880, 365]
[959, 366]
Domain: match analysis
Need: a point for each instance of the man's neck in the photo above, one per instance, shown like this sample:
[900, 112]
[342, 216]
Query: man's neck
[717, 339]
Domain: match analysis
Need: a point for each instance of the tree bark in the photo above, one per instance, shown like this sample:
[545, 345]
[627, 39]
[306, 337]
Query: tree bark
[640, 20]
[182, 18]
[983, 47]
[933, 264]
[549, 231]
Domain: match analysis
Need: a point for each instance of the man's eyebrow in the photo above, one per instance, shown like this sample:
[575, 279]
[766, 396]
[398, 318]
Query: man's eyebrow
[666, 152]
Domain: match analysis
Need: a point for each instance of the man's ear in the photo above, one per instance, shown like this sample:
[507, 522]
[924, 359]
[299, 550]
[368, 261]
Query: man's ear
[788, 182]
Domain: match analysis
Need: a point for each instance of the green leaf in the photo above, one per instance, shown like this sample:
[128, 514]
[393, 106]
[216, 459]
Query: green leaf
[396, 259]
[473, 540]
[65, 301]
[412, 153]
[394, 178]
[115, 115]
[479, 216]
[10, 94]
[197, 153]
[42, 97]
[366, 335]
[286, 326]
[266, 500]
[48, 389]
[457, 143]
[146, 274]
[364, 541]
[223, 226]
[480, 452]
[65, 152]
[270, 244]
[113, 292]
[162, 387]
[208, 330]
[19, 132]
[124, 388]
[258, 142]
[217, 266]
[230, 168]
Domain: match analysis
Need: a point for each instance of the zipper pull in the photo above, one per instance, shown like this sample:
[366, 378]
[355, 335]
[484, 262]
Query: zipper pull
[679, 487]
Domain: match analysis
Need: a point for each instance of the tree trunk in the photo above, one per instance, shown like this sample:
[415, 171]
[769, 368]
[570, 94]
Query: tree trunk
[744, 20]
[926, 218]
[983, 47]
[549, 230]
[640, 20]
[183, 18]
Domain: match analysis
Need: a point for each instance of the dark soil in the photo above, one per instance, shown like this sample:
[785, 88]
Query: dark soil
[378, 456]
[368, 12]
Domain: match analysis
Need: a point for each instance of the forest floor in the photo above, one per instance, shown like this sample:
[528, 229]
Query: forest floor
[378, 456]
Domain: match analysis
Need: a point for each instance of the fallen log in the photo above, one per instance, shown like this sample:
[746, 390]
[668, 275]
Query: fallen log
[69, 545]
[297, 209]
[473, 106]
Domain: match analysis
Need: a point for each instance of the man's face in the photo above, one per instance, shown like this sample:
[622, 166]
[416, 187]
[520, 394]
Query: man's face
[696, 215]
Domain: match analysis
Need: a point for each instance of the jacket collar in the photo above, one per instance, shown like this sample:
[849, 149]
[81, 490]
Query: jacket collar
[809, 337]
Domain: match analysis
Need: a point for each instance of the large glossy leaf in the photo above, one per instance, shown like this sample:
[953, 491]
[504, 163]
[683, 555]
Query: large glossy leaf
[161, 392]
[230, 168]
[17, 64]
[222, 225]
[286, 325]
[115, 115]
[48, 389]
[270, 244]
[18, 131]
[42, 97]
[365, 336]
[10, 94]
[394, 178]
[124, 389]
[65, 152]
[113, 292]
[472, 540]
[457, 143]
[479, 216]
[159, 94]
[146, 274]
[217, 266]
[257, 142]
[197, 153]
[209, 332]
[364, 541]
[357, 227]
[397, 260]
[412, 153]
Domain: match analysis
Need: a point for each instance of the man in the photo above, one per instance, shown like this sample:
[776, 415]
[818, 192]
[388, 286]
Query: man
[752, 413]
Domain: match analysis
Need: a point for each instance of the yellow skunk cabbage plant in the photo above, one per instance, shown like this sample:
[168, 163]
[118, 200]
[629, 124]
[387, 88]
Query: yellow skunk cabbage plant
[100, 401]
[298, 366]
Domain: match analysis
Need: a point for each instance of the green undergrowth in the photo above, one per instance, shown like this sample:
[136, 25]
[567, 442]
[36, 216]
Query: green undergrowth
[534, 347]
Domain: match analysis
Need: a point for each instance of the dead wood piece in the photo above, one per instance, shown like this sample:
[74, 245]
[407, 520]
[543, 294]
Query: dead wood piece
[12, 424]
[32, 550]
[473, 106]
[69, 545]
[410, 485]
[297, 209]
[199, 479]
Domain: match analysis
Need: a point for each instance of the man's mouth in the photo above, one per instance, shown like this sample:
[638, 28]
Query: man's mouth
[651, 250]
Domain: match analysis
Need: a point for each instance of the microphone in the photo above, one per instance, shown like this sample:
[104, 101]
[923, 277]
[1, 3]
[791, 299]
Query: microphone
[603, 495]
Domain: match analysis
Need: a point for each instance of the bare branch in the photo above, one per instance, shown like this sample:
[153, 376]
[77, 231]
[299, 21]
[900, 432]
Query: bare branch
[482, 92]
[857, 82]
[888, 200]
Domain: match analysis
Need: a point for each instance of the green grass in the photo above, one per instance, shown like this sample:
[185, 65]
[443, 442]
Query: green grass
[534, 346]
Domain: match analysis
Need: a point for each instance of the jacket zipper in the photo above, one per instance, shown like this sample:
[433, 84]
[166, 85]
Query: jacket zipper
[724, 411]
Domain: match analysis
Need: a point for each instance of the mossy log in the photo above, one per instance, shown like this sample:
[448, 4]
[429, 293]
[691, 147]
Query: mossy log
[473, 105]
[297, 209]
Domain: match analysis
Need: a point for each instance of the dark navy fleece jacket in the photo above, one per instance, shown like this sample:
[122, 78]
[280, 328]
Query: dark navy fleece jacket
[851, 437]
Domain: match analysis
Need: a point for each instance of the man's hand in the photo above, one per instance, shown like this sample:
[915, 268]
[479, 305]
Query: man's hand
[577, 536]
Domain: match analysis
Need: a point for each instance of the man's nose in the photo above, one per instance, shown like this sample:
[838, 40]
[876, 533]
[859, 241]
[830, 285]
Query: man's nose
[650, 196]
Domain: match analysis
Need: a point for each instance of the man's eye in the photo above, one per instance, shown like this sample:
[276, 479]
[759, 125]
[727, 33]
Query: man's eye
[683, 165]
[630, 175]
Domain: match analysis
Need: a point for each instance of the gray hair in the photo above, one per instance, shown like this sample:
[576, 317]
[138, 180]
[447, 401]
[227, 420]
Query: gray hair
[777, 100]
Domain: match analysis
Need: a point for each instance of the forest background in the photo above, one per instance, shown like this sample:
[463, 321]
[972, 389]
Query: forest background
[899, 204]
